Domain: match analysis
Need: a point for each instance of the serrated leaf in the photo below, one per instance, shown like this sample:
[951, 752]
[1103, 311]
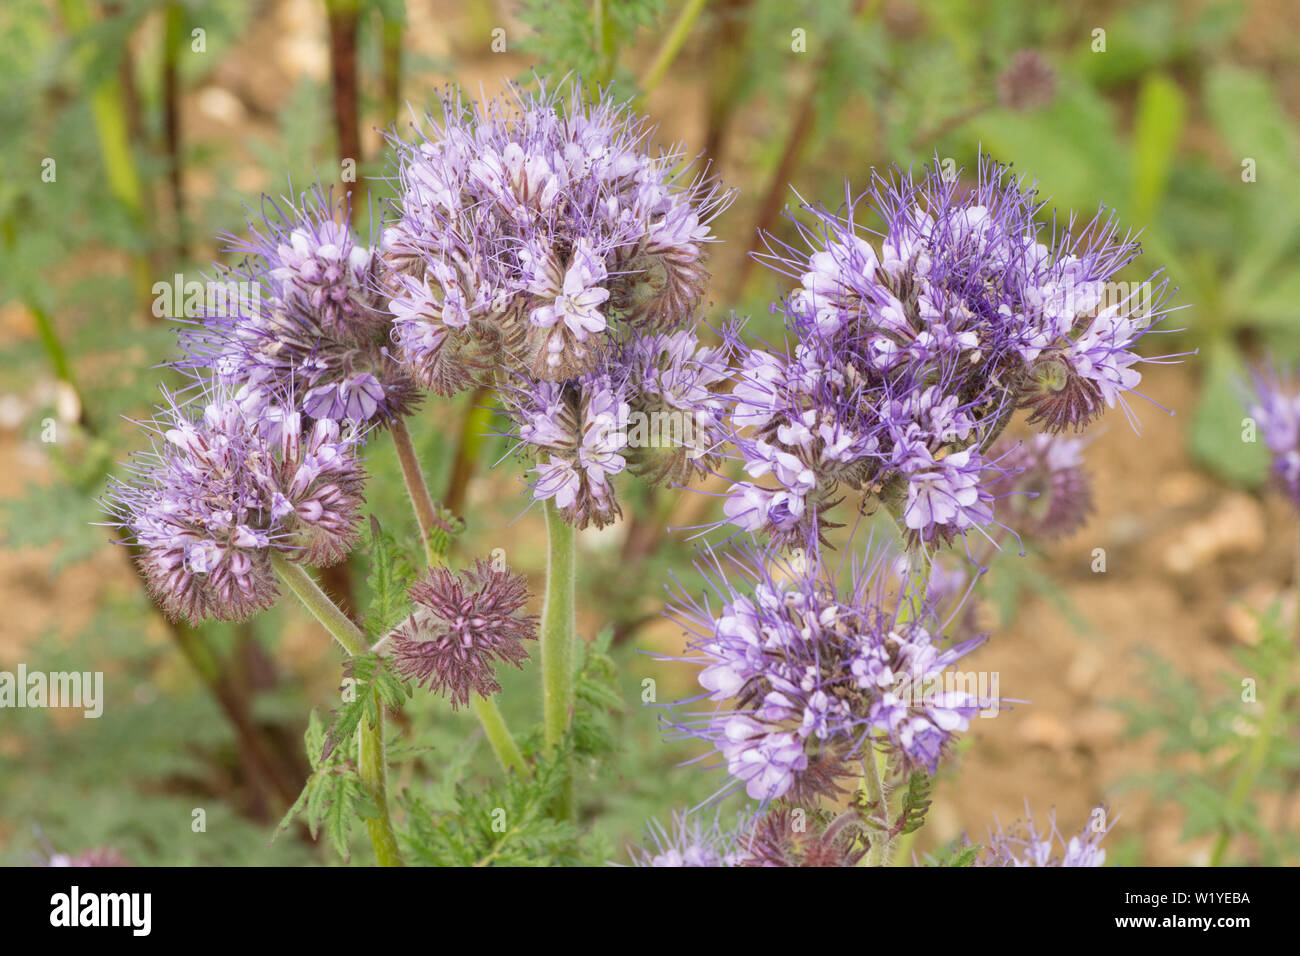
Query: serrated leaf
[373, 683]
[391, 573]
[346, 720]
[964, 856]
[916, 801]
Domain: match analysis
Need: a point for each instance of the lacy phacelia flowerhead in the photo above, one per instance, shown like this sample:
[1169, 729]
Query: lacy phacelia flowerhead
[302, 315]
[577, 431]
[1023, 845]
[1275, 407]
[678, 415]
[533, 230]
[218, 493]
[652, 408]
[908, 357]
[807, 678]
[464, 623]
[692, 840]
[1045, 493]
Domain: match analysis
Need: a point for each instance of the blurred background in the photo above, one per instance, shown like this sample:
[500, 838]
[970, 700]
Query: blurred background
[137, 131]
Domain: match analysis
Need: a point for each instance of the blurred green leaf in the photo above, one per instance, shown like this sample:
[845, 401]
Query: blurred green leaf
[1157, 130]
[1216, 422]
[1254, 125]
[1072, 146]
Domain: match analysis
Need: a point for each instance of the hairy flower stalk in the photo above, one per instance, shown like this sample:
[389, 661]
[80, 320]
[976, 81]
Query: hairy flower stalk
[426, 512]
[559, 638]
[372, 761]
[338, 624]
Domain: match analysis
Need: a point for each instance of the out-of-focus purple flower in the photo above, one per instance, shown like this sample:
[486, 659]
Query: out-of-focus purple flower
[532, 232]
[220, 491]
[1024, 845]
[1275, 407]
[907, 358]
[464, 623]
[808, 678]
[690, 840]
[1045, 492]
[302, 315]
[1027, 83]
[95, 857]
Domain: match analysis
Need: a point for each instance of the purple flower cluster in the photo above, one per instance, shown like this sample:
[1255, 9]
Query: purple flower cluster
[537, 247]
[1275, 407]
[220, 491]
[652, 408]
[540, 248]
[463, 624]
[303, 315]
[910, 356]
[531, 230]
[1024, 845]
[808, 680]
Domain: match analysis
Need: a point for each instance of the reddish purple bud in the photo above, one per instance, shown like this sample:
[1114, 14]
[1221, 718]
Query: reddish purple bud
[464, 623]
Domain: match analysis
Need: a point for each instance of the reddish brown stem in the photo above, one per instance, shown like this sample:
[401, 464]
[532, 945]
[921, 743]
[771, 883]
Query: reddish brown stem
[172, 34]
[275, 779]
[775, 197]
[346, 94]
[467, 448]
[725, 76]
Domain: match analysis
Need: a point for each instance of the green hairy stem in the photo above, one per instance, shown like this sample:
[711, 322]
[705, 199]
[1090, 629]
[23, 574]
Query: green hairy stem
[559, 639]
[372, 764]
